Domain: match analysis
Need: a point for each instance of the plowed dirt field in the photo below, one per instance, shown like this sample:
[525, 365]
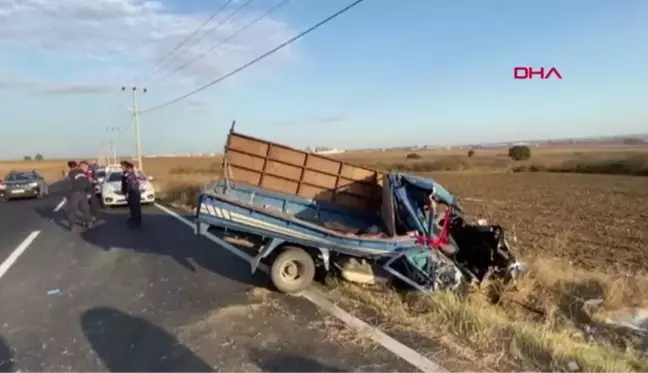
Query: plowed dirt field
[594, 221]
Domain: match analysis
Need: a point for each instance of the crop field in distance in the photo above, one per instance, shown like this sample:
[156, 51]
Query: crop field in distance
[581, 216]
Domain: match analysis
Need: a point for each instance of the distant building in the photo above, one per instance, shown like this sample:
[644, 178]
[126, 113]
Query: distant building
[323, 150]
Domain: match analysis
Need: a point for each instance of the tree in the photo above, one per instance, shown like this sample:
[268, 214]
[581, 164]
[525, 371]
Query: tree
[39, 157]
[471, 152]
[27, 158]
[519, 152]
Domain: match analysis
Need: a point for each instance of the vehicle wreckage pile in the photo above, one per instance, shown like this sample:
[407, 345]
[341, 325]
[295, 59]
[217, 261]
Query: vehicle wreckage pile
[454, 251]
[308, 211]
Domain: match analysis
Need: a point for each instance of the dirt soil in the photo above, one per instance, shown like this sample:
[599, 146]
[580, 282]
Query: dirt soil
[595, 221]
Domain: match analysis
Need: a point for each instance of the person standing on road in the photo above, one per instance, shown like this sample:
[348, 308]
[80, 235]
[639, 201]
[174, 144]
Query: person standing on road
[77, 200]
[93, 201]
[131, 188]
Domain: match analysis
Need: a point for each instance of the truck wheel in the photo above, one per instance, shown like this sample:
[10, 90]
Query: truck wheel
[293, 270]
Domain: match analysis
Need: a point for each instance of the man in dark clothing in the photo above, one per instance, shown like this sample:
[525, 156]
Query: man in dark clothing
[77, 199]
[93, 201]
[131, 188]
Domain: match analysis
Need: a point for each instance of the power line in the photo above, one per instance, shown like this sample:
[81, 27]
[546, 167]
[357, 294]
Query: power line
[232, 36]
[229, 16]
[183, 42]
[255, 60]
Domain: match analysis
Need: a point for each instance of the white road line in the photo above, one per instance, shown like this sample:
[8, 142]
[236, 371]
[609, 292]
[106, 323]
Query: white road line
[60, 205]
[4, 267]
[362, 328]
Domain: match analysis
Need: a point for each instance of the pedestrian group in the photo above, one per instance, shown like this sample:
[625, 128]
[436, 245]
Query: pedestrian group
[83, 206]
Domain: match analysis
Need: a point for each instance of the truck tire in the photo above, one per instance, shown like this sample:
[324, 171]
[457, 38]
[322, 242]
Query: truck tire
[293, 270]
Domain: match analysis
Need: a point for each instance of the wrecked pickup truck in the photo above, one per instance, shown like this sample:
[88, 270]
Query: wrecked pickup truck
[308, 212]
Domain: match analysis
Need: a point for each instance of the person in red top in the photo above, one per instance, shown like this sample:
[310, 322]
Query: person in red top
[95, 204]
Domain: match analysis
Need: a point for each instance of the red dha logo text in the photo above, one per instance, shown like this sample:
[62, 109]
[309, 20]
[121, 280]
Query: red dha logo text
[521, 72]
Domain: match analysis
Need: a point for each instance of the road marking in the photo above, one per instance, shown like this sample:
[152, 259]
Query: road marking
[4, 267]
[362, 328]
[60, 205]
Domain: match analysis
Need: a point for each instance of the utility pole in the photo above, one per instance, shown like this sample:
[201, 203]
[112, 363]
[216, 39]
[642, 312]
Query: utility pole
[112, 143]
[138, 143]
[104, 152]
[101, 154]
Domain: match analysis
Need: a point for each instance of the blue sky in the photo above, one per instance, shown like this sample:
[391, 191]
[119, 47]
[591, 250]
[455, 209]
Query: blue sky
[386, 73]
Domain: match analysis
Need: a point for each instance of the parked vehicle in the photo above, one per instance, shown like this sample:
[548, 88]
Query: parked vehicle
[99, 174]
[111, 194]
[308, 211]
[24, 184]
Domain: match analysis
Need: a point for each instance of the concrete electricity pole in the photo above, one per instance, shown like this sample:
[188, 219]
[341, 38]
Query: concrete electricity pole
[106, 151]
[112, 131]
[138, 143]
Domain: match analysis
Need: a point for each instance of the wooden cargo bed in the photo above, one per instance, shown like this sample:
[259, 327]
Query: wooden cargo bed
[283, 169]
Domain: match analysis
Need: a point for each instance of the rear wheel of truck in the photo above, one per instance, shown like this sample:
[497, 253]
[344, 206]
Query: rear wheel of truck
[293, 270]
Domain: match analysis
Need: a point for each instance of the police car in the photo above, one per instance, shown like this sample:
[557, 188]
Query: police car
[111, 194]
[99, 175]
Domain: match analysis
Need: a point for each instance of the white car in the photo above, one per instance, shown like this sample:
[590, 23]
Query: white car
[100, 177]
[114, 167]
[111, 194]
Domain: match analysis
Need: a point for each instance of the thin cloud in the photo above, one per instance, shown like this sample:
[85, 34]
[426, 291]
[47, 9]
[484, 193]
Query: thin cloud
[73, 89]
[134, 33]
[198, 105]
[34, 87]
[309, 121]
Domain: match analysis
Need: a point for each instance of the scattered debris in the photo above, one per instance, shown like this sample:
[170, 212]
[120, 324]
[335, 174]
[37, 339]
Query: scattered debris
[573, 366]
[592, 305]
[361, 271]
[634, 319]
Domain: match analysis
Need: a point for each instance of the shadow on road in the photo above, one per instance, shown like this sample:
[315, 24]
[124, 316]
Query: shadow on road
[132, 344]
[270, 361]
[160, 234]
[46, 210]
[6, 356]
[163, 235]
[57, 189]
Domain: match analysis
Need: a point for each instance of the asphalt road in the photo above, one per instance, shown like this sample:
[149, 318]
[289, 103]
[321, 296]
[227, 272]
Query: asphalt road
[155, 299]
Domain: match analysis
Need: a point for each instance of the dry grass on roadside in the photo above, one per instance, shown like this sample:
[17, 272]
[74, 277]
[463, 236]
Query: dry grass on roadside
[544, 325]
[181, 191]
